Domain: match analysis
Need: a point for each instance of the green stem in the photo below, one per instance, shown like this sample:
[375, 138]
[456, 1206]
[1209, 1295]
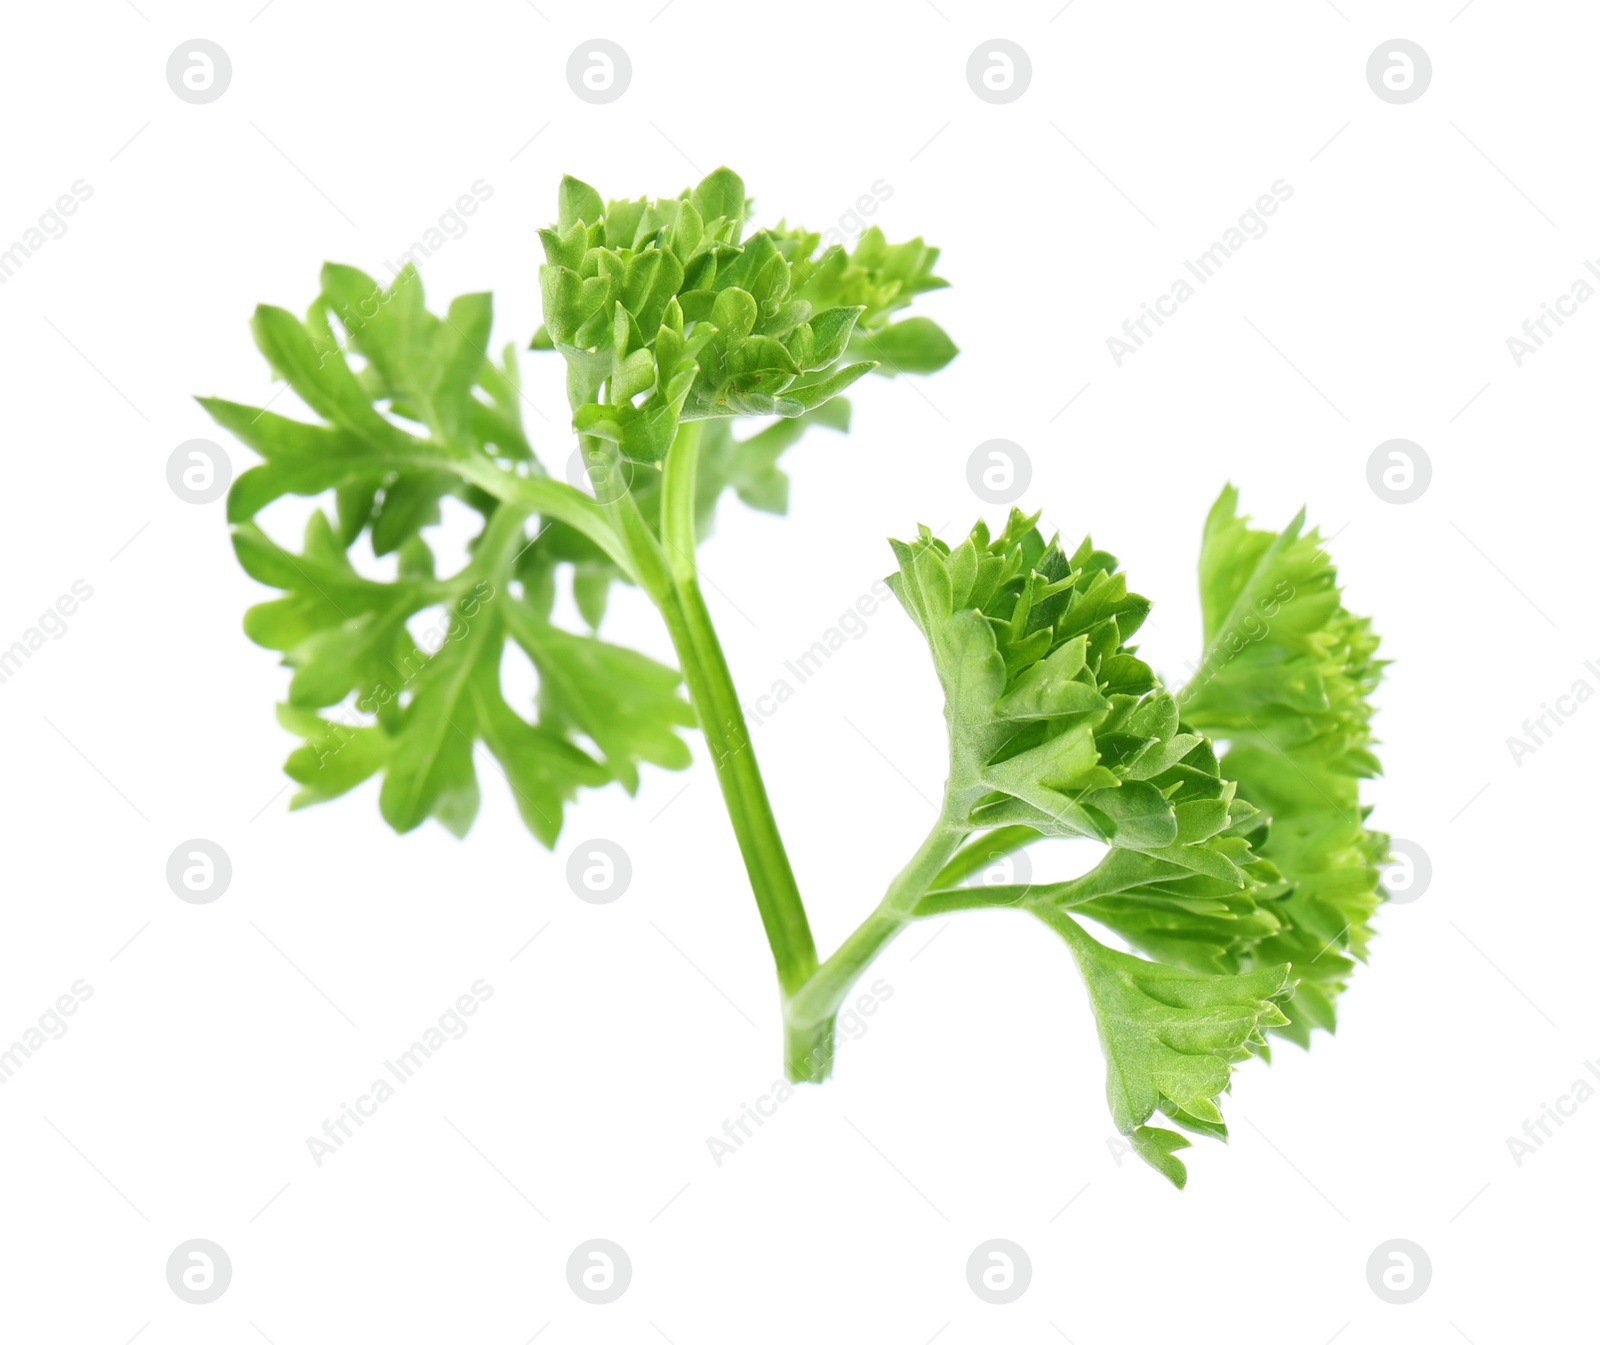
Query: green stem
[503, 538]
[777, 893]
[666, 570]
[677, 502]
[984, 851]
[650, 569]
[716, 701]
[946, 901]
[1116, 872]
[809, 1015]
[1074, 934]
[549, 498]
[671, 585]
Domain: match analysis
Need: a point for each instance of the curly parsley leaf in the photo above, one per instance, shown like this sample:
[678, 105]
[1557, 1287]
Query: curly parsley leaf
[1055, 723]
[667, 310]
[1224, 874]
[400, 677]
[1171, 1038]
[1287, 679]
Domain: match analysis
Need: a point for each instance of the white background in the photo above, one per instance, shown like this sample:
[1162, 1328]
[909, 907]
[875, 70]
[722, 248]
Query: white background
[178, 1105]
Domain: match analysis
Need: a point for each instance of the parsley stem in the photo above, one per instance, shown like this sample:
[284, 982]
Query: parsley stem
[678, 533]
[809, 1015]
[671, 585]
[946, 901]
[551, 499]
[984, 851]
[777, 894]
[722, 721]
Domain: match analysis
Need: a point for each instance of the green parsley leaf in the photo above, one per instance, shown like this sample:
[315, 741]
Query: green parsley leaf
[406, 671]
[1287, 679]
[1171, 1038]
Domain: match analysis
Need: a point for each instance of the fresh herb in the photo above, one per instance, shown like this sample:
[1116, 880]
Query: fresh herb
[1244, 885]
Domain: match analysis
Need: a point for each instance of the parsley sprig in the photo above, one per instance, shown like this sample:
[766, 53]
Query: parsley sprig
[1238, 867]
